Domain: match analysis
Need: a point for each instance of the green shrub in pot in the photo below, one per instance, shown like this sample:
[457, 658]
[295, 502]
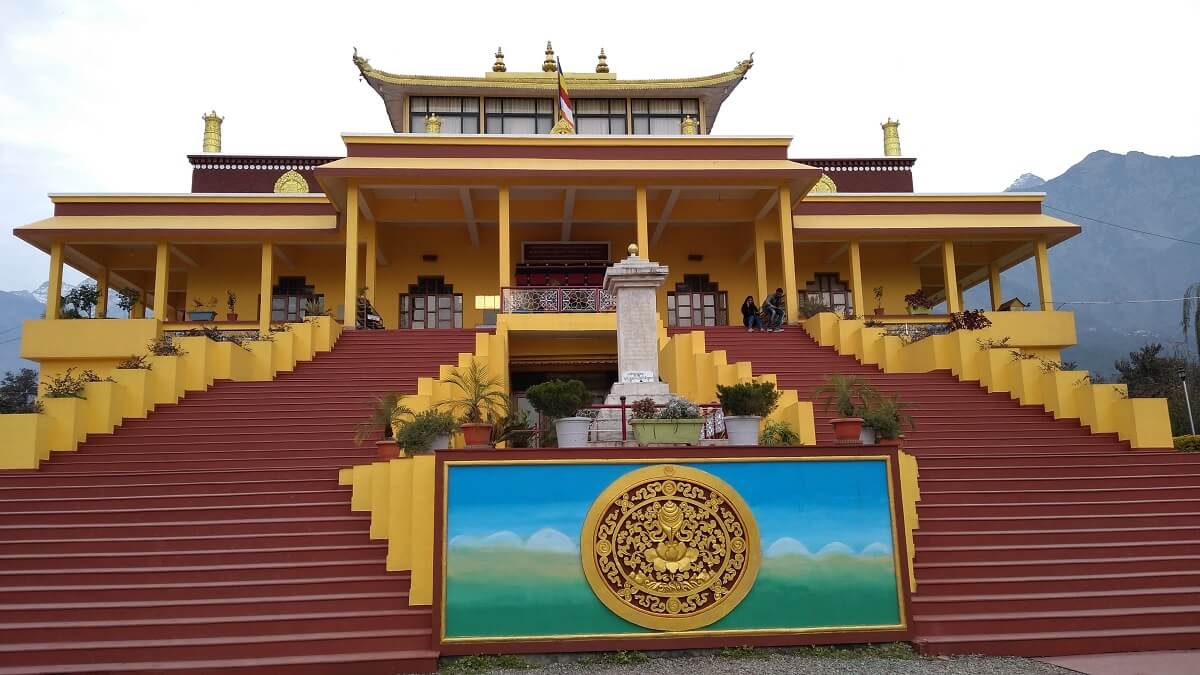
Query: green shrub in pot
[744, 405]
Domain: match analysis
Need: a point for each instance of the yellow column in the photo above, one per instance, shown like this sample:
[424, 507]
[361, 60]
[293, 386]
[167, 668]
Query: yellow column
[266, 274]
[161, 269]
[856, 282]
[371, 232]
[760, 261]
[994, 286]
[950, 272]
[139, 307]
[789, 253]
[643, 224]
[54, 291]
[1043, 275]
[350, 311]
[102, 294]
[505, 240]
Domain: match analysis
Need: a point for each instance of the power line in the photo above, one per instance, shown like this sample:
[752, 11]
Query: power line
[1122, 227]
[1123, 302]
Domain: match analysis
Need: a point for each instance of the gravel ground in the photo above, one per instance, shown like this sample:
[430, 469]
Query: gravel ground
[754, 662]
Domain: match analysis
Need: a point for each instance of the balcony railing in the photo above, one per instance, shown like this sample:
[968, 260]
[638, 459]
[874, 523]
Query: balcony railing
[555, 299]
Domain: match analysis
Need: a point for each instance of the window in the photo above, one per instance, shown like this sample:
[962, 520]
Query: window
[663, 116]
[829, 290]
[431, 303]
[519, 115]
[697, 302]
[459, 115]
[600, 116]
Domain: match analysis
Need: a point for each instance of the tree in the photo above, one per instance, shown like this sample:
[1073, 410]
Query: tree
[1150, 374]
[127, 298]
[82, 299]
[1191, 314]
[18, 391]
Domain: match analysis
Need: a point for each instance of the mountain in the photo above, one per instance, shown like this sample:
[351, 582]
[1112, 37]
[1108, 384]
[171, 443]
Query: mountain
[1106, 263]
[15, 308]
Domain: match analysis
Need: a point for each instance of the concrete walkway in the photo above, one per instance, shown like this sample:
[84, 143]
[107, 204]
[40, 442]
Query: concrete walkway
[1133, 663]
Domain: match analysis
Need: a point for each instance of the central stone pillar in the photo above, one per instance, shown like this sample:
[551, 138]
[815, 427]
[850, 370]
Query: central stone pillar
[634, 283]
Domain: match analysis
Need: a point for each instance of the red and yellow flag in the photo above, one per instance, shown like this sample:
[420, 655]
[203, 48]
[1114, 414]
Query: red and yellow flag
[565, 110]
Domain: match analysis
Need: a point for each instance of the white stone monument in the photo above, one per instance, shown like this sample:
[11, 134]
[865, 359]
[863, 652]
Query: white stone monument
[634, 282]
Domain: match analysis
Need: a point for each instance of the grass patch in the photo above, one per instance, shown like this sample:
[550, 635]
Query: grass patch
[743, 653]
[485, 663]
[890, 650]
[620, 658]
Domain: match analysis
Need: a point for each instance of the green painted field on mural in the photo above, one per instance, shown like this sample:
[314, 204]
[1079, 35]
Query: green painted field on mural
[514, 593]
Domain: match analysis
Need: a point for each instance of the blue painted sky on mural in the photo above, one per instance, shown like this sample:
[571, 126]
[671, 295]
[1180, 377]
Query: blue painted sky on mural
[816, 503]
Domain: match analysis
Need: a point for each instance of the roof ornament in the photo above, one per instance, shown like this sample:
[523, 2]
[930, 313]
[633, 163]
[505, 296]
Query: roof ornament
[433, 125]
[689, 126]
[498, 66]
[891, 138]
[549, 65]
[364, 66]
[291, 182]
[745, 65]
[212, 131]
[602, 63]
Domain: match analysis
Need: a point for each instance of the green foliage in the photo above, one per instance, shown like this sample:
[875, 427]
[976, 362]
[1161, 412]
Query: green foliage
[485, 663]
[748, 398]
[846, 393]
[386, 413]
[618, 658]
[231, 301]
[644, 409]
[810, 307]
[515, 428]
[127, 298]
[69, 385]
[994, 343]
[918, 299]
[887, 416]
[481, 395]
[744, 652]
[82, 299]
[970, 319]
[165, 346]
[878, 291]
[1187, 443]
[418, 434]
[135, 363]
[678, 408]
[1150, 374]
[18, 391]
[558, 398]
[778, 433]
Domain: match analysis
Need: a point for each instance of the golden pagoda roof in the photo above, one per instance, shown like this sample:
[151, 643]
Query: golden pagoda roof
[712, 90]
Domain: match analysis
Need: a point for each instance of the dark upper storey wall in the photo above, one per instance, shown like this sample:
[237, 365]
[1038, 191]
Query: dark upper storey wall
[870, 174]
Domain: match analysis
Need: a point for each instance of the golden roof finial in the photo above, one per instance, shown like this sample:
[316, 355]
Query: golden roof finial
[212, 131]
[689, 126]
[602, 64]
[433, 125]
[891, 138]
[549, 64]
[498, 66]
[633, 250]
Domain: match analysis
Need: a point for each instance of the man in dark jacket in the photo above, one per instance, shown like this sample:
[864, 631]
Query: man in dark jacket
[773, 306]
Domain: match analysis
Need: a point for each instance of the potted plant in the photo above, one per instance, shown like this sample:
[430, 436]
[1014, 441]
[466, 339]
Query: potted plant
[743, 406]
[918, 302]
[878, 300]
[425, 432]
[203, 310]
[778, 433]
[848, 394]
[561, 400]
[515, 429]
[481, 398]
[231, 305]
[386, 413]
[885, 418]
[679, 422]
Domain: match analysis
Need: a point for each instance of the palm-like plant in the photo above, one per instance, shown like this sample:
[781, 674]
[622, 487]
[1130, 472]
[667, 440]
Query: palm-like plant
[1191, 313]
[482, 396]
[847, 393]
[386, 412]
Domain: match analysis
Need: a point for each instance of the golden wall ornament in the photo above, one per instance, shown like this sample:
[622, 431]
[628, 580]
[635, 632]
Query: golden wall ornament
[826, 184]
[433, 125]
[689, 126]
[291, 182]
[562, 126]
[670, 548]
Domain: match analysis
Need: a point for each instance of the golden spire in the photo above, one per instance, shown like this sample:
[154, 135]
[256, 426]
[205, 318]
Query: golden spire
[212, 132]
[602, 64]
[433, 125]
[498, 66]
[689, 126]
[891, 138]
[549, 65]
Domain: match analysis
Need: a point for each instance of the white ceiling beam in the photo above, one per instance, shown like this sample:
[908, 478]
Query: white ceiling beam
[768, 204]
[280, 253]
[926, 251]
[568, 213]
[464, 195]
[746, 255]
[187, 259]
[837, 252]
[665, 216]
[364, 205]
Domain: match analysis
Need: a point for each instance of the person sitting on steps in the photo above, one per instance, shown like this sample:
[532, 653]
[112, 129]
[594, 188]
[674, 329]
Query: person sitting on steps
[750, 315]
[773, 308]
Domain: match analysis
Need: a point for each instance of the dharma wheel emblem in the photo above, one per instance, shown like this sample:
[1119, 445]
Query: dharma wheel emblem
[670, 548]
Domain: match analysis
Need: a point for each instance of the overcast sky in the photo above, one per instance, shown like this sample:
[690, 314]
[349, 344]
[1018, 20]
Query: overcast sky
[107, 96]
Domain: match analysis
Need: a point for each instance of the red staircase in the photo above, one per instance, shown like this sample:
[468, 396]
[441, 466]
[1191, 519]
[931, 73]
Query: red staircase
[213, 537]
[1036, 536]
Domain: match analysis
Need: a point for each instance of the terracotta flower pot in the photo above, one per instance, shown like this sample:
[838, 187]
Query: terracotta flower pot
[388, 449]
[231, 317]
[878, 311]
[477, 434]
[847, 428]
